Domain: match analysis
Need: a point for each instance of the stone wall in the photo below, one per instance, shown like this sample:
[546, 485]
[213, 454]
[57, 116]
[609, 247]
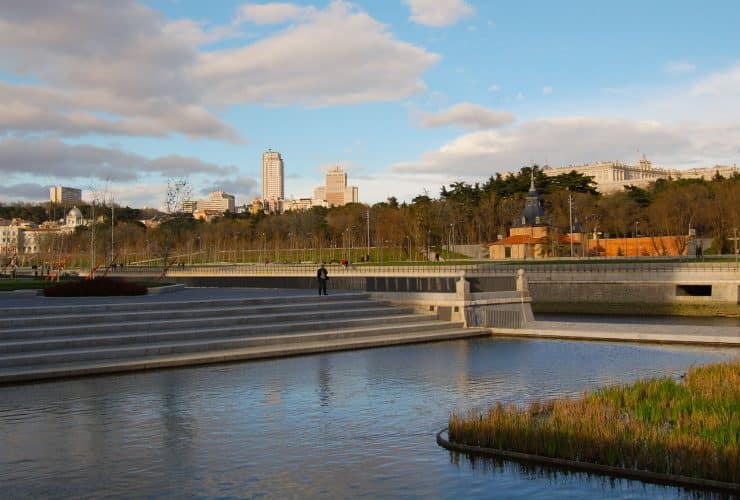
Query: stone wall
[628, 291]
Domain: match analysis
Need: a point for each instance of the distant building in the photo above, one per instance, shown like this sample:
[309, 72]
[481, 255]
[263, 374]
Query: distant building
[256, 207]
[217, 201]
[611, 176]
[301, 204]
[65, 195]
[74, 218]
[273, 186]
[189, 206]
[529, 236]
[335, 191]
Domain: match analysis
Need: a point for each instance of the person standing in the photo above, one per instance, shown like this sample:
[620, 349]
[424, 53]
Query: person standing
[323, 276]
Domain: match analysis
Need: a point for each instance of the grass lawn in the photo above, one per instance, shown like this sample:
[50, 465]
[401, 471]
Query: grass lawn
[15, 284]
[688, 428]
[10, 284]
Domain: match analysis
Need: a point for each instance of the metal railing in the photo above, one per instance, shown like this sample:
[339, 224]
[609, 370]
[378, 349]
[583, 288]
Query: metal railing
[492, 269]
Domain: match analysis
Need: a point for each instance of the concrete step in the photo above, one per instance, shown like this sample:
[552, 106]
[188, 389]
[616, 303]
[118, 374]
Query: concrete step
[72, 369]
[209, 344]
[277, 330]
[49, 309]
[325, 313]
[166, 313]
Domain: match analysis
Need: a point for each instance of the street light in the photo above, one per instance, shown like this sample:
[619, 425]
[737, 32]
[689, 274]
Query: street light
[570, 216]
[637, 239]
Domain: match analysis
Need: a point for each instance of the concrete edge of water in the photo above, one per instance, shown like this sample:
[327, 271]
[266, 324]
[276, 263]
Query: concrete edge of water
[652, 477]
[159, 290]
[708, 309]
[531, 331]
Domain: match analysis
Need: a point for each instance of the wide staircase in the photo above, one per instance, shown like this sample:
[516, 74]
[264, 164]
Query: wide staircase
[70, 340]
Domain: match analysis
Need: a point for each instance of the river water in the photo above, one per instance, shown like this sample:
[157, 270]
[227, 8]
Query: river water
[347, 424]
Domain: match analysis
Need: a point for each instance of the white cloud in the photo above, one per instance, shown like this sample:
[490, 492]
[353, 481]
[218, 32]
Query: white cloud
[244, 189]
[466, 115]
[339, 56]
[24, 191]
[677, 68]
[120, 68]
[439, 13]
[519, 96]
[51, 157]
[101, 67]
[575, 140]
[30, 109]
[494, 88]
[688, 126]
[721, 83]
[272, 13]
[546, 90]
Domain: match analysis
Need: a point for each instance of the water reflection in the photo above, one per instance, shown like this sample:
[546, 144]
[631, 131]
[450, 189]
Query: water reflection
[343, 424]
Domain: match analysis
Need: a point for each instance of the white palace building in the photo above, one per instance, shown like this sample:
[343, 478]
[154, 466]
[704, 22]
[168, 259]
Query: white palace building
[613, 176]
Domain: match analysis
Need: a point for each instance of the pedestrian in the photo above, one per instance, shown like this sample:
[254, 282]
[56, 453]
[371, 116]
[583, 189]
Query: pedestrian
[323, 276]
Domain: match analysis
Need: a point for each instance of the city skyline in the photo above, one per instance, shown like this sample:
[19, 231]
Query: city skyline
[406, 95]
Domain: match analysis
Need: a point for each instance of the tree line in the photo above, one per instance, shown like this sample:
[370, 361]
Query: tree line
[462, 213]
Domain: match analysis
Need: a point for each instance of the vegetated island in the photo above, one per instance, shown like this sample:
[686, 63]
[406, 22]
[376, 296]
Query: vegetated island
[688, 428]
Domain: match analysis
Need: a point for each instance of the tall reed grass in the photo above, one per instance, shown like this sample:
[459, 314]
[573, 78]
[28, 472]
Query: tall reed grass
[689, 428]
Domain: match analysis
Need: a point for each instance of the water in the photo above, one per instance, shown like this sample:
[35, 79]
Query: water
[348, 424]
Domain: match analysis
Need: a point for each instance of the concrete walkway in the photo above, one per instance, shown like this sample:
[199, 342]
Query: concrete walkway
[628, 332]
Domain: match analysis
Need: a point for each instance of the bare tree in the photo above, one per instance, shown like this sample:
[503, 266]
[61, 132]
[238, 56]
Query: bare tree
[178, 192]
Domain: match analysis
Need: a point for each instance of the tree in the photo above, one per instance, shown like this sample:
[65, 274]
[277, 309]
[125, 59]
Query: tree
[178, 192]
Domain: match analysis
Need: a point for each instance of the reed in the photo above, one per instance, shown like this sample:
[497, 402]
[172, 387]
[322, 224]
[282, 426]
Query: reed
[689, 427]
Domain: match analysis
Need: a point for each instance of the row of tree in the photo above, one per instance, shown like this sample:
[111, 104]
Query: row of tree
[463, 213]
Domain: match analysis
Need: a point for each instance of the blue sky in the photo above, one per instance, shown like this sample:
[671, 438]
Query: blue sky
[407, 95]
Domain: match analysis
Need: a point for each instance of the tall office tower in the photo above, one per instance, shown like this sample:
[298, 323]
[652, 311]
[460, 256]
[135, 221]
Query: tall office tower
[336, 192]
[336, 184]
[64, 195]
[272, 176]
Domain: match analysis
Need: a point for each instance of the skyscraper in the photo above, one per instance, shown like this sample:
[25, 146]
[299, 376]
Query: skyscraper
[272, 176]
[336, 192]
[336, 183]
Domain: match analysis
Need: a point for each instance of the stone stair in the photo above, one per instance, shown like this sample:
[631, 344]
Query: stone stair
[70, 340]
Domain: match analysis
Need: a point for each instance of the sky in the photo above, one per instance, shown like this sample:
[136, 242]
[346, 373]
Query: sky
[116, 98]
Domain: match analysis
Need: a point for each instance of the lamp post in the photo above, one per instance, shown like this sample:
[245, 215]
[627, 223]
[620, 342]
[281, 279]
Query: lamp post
[637, 239]
[367, 216]
[429, 246]
[570, 217]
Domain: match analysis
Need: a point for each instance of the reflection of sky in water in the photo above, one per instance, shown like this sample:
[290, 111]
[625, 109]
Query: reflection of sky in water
[342, 424]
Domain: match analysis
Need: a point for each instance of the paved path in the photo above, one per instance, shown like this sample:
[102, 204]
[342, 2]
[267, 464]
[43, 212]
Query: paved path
[628, 332]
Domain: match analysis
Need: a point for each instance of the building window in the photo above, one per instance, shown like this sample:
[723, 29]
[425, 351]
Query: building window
[507, 252]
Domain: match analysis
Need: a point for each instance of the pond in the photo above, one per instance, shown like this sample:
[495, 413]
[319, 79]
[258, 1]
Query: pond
[359, 423]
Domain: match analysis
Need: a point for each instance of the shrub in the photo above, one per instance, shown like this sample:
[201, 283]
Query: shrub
[98, 287]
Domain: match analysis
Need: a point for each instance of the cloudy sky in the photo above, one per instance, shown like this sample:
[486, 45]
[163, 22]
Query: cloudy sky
[406, 95]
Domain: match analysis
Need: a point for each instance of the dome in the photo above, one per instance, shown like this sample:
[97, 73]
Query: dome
[75, 212]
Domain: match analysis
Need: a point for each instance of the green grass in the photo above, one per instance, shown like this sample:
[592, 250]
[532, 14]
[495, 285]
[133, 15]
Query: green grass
[11, 285]
[689, 428]
[16, 284]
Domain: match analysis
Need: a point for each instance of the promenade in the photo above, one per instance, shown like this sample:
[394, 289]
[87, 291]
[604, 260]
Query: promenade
[627, 332]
